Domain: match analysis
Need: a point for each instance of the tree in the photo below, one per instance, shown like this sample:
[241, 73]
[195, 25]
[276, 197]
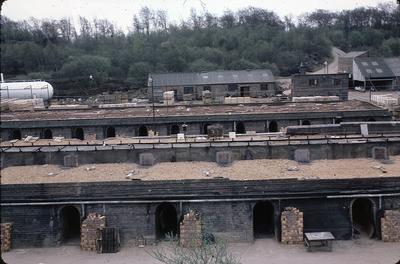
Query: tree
[83, 67]
[200, 65]
[207, 253]
[139, 71]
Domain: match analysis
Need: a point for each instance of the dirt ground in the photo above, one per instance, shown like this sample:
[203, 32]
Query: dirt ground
[262, 251]
[239, 170]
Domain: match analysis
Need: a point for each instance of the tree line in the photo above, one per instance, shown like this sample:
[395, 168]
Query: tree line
[95, 55]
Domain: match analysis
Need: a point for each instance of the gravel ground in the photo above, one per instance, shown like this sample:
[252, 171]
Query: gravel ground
[262, 251]
[239, 170]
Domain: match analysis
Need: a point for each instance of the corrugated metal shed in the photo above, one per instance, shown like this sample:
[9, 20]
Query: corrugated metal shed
[394, 65]
[354, 54]
[374, 68]
[215, 77]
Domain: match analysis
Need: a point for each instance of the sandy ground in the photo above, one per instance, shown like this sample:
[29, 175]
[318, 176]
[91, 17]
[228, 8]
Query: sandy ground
[262, 251]
[239, 170]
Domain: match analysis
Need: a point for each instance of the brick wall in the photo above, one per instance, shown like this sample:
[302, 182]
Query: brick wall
[89, 228]
[191, 231]
[292, 225]
[390, 226]
[5, 236]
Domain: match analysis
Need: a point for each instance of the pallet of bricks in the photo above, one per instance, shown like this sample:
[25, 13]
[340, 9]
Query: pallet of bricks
[5, 237]
[390, 226]
[190, 230]
[292, 226]
[89, 228]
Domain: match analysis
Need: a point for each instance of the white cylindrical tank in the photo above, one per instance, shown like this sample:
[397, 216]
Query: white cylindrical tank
[26, 90]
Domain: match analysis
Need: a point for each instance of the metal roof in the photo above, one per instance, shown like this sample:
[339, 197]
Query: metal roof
[354, 54]
[214, 77]
[394, 65]
[373, 67]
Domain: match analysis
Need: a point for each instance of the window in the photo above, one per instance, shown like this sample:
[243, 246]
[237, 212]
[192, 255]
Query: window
[313, 82]
[374, 63]
[364, 63]
[188, 90]
[264, 87]
[232, 87]
[368, 70]
[207, 88]
[378, 70]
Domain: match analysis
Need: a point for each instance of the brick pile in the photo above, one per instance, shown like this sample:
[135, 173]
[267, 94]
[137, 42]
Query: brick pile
[89, 228]
[191, 232]
[292, 225]
[5, 237]
[390, 226]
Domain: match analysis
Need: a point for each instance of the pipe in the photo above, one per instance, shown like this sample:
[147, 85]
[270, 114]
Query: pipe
[362, 195]
[197, 200]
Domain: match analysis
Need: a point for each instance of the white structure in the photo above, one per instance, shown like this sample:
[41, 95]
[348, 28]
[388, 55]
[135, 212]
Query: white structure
[26, 90]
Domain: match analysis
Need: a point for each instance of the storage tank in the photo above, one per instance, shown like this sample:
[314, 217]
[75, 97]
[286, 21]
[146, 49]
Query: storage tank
[26, 90]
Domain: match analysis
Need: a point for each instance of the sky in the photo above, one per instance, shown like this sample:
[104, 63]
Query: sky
[120, 12]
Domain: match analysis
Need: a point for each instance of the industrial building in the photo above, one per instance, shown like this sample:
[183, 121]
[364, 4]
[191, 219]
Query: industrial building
[98, 123]
[304, 85]
[375, 73]
[345, 62]
[189, 86]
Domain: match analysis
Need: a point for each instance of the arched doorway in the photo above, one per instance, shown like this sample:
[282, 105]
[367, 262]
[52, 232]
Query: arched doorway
[166, 221]
[263, 220]
[110, 132]
[47, 134]
[78, 133]
[363, 217]
[174, 129]
[205, 129]
[70, 224]
[15, 134]
[240, 128]
[273, 126]
[306, 123]
[143, 131]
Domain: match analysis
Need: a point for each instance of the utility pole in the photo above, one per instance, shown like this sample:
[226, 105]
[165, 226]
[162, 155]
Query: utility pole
[152, 95]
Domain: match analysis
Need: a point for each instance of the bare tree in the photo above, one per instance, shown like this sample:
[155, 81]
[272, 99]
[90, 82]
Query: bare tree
[146, 16]
[86, 29]
[208, 253]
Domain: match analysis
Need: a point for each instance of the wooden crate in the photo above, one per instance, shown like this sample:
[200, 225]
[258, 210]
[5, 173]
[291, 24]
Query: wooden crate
[108, 240]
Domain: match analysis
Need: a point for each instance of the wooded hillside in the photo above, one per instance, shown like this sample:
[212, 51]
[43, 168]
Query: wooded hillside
[67, 54]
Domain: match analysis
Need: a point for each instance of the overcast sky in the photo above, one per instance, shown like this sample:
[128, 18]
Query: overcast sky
[121, 12]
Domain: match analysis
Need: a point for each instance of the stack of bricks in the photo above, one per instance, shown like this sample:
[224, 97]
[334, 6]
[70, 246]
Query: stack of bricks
[390, 226]
[5, 237]
[190, 228]
[89, 228]
[292, 226]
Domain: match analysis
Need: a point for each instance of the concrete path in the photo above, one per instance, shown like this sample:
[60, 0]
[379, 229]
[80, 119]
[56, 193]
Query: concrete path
[333, 65]
[261, 251]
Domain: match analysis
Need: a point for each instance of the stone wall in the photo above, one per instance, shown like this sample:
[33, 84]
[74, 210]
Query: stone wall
[190, 230]
[335, 149]
[89, 228]
[292, 226]
[39, 225]
[6, 236]
[390, 226]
